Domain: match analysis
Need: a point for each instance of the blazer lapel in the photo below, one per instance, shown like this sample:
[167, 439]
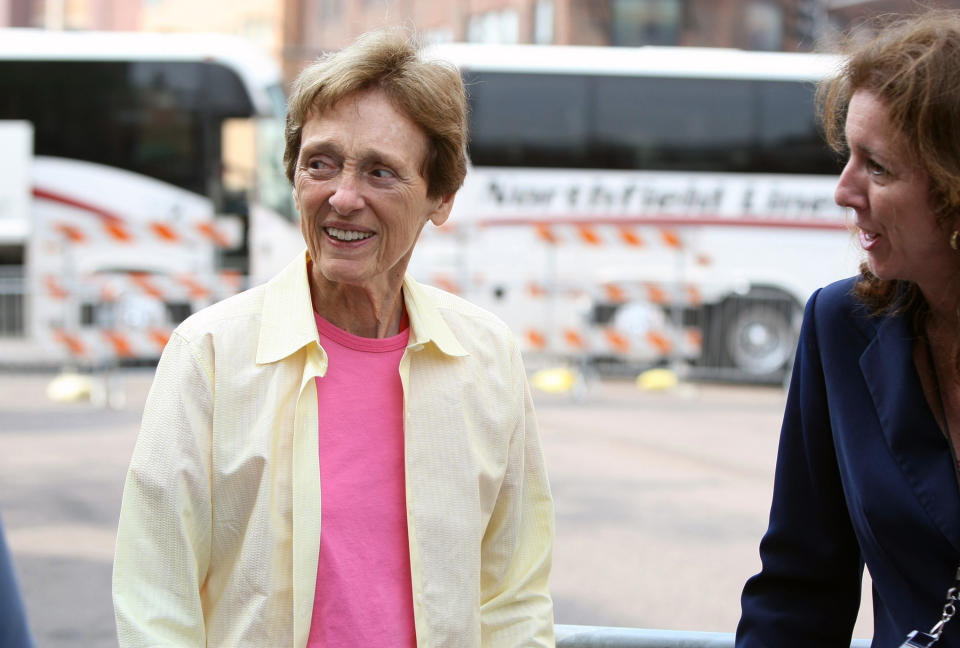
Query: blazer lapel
[911, 432]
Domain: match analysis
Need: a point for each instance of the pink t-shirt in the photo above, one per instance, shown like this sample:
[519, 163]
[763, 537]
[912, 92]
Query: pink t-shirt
[363, 594]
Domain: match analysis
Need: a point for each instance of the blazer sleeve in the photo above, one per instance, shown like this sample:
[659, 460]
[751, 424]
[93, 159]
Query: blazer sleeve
[163, 538]
[517, 547]
[808, 590]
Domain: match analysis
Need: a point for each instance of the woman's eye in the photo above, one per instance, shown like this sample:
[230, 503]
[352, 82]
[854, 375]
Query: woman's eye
[320, 166]
[875, 168]
[382, 174]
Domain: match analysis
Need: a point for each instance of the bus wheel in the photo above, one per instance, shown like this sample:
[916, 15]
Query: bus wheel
[757, 336]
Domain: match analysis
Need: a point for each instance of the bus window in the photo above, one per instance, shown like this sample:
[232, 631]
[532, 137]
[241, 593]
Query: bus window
[273, 188]
[645, 123]
[789, 138]
[239, 155]
[223, 92]
[527, 120]
[661, 124]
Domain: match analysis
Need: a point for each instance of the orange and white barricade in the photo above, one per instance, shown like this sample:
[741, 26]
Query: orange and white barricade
[99, 346]
[580, 289]
[120, 232]
[607, 341]
[124, 316]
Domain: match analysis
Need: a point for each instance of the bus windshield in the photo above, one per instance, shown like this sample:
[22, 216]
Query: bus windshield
[157, 118]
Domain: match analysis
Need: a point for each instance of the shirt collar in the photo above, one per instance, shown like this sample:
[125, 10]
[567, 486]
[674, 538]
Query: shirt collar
[426, 322]
[287, 323]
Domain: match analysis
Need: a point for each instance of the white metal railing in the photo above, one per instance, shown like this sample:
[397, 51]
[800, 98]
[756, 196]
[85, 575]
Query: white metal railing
[577, 636]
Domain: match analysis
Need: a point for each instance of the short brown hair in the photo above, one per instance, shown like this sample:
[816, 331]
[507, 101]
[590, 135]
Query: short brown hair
[912, 65]
[430, 93]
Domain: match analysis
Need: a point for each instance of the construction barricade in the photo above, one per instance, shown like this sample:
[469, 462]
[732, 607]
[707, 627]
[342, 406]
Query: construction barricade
[627, 295]
[105, 288]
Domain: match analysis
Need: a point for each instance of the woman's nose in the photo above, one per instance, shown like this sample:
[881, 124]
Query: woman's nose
[848, 192]
[346, 198]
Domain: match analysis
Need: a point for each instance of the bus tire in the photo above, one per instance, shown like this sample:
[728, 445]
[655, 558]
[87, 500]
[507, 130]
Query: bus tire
[754, 336]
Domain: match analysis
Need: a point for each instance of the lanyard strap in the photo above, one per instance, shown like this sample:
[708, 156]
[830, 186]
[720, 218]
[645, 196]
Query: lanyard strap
[953, 594]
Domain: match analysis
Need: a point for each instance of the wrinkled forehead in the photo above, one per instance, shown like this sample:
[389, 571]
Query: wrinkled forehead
[369, 120]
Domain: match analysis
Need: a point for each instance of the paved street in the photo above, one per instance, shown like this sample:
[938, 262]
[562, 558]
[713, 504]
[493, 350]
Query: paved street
[661, 499]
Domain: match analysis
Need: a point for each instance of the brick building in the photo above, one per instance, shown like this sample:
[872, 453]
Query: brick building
[847, 14]
[295, 31]
[754, 24]
[314, 26]
[71, 14]
[792, 25]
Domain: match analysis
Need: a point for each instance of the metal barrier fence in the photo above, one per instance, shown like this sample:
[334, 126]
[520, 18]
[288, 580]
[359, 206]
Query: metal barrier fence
[99, 319]
[576, 636]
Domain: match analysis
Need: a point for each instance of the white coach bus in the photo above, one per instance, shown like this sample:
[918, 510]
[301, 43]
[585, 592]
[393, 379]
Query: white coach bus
[647, 205]
[153, 157]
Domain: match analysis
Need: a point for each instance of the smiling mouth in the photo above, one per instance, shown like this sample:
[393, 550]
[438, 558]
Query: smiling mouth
[868, 238]
[346, 235]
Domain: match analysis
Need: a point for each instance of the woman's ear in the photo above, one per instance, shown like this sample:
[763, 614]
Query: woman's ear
[441, 213]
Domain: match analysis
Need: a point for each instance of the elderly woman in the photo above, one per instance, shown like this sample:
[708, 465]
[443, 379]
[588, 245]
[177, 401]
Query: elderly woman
[867, 467]
[344, 457]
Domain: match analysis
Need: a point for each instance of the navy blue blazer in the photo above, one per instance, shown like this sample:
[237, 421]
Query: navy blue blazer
[864, 475]
[13, 621]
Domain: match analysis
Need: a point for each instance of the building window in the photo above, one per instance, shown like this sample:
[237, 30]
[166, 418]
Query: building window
[764, 26]
[543, 22]
[645, 22]
[501, 27]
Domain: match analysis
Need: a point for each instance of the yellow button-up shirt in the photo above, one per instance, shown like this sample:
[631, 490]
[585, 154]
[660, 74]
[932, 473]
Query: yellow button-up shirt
[220, 524]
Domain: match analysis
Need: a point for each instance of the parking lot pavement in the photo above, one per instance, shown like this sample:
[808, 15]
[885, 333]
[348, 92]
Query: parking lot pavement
[661, 498]
[62, 467]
